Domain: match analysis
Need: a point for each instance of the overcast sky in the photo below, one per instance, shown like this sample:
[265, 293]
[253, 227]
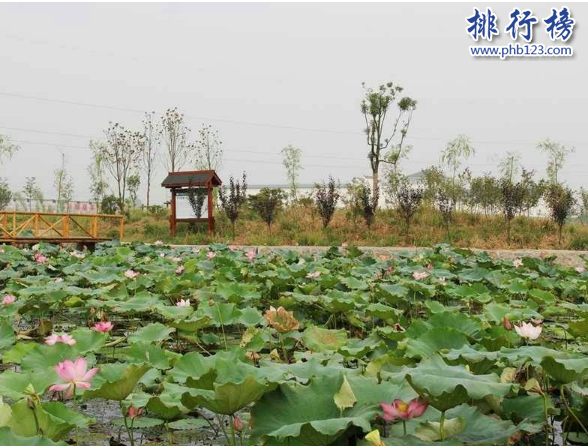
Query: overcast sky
[268, 75]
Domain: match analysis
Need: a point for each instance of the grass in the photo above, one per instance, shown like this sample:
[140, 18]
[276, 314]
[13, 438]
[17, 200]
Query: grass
[302, 226]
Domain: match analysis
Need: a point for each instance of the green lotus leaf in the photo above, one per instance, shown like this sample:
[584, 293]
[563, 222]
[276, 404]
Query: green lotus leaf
[164, 408]
[87, 340]
[565, 370]
[146, 353]
[115, 381]
[5, 413]
[7, 337]
[229, 397]
[219, 313]
[431, 430]
[579, 328]
[174, 313]
[18, 351]
[528, 407]
[446, 386]
[154, 332]
[321, 339]
[434, 341]
[308, 413]
[393, 292]
[9, 438]
[54, 419]
[458, 321]
[192, 324]
[14, 385]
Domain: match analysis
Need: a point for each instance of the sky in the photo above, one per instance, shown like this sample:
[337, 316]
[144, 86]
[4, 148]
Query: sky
[268, 75]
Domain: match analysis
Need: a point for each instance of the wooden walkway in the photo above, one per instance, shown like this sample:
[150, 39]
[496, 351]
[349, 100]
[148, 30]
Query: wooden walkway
[33, 227]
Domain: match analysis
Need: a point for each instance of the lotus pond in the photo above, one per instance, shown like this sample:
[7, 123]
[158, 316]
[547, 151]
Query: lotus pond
[150, 344]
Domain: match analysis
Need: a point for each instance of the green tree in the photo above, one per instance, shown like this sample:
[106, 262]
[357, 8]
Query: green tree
[409, 202]
[512, 195]
[133, 183]
[63, 185]
[291, 158]
[556, 154]
[31, 191]
[375, 108]
[5, 194]
[7, 148]
[267, 203]
[98, 185]
[510, 165]
[456, 151]
[533, 190]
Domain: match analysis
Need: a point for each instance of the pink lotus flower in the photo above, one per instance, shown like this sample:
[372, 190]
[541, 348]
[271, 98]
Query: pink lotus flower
[183, 303]
[517, 262]
[158, 243]
[238, 424]
[232, 247]
[75, 374]
[251, 255]
[528, 330]
[59, 280]
[420, 275]
[211, 255]
[103, 326]
[133, 412]
[177, 259]
[64, 339]
[180, 269]
[404, 411]
[344, 245]
[8, 299]
[313, 275]
[580, 269]
[40, 258]
[78, 255]
[130, 274]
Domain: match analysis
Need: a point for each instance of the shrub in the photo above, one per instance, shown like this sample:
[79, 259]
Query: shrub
[409, 201]
[267, 203]
[109, 205]
[327, 196]
[512, 196]
[367, 202]
[579, 243]
[445, 206]
[560, 201]
[232, 199]
[5, 194]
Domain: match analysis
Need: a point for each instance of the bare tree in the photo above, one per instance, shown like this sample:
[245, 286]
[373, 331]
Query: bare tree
[152, 135]
[121, 157]
[174, 133]
[375, 107]
[208, 149]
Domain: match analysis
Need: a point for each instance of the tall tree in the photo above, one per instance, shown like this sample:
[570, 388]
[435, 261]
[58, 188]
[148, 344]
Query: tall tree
[31, 191]
[556, 154]
[327, 195]
[121, 156]
[291, 158]
[133, 183]
[208, 149]
[5, 194]
[510, 165]
[63, 185]
[456, 151]
[233, 198]
[375, 107]
[152, 136]
[560, 201]
[7, 148]
[174, 134]
[98, 184]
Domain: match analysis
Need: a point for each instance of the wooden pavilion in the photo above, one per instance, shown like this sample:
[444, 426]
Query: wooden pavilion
[180, 184]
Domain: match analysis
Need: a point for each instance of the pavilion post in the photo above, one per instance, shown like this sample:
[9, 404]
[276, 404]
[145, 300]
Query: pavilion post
[172, 220]
[210, 217]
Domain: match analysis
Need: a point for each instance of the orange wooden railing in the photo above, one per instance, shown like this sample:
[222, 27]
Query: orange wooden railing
[47, 225]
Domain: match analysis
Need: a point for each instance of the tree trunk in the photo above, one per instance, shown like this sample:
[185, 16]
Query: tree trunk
[148, 190]
[375, 185]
